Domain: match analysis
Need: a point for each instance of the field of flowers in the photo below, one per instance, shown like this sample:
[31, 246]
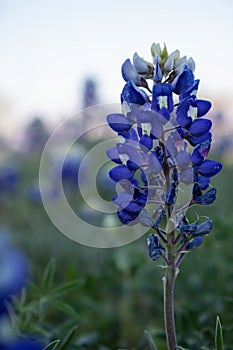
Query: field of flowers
[92, 298]
[58, 294]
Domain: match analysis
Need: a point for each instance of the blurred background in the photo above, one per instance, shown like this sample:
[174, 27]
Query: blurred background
[58, 57]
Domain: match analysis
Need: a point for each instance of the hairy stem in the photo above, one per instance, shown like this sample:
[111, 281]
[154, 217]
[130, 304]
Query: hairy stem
[169, 317]
[170, 277]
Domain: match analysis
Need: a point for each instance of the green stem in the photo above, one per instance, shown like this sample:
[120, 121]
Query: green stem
[169, 317]
[170, 277]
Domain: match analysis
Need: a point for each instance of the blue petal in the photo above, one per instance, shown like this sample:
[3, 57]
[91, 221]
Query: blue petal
[204, 228]
[130, 135]
[126, 217]
[132, 94]
[158, 73]
[133, 207]
[200, 152]
[208, 198]
[187, 228]
[121, 172]
[196, 191]
[118, 122]
[155, 247]
[191, 91]
[200, 127]
[183, 159]
[203, 182]
[203, 107]
[129, 72]
[209, 168]
[146, 143]
[122, 199]
[133, 154]
[182, 113]
[165, 115]
[162, 97]
[195, 242]
[112, 154]
[194, 141]
[183, 82]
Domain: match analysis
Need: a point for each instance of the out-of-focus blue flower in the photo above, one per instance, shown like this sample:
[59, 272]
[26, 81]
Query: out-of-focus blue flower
[70, 166]
[9, 178]
[14, 269]
[23, 343]
[14, 273]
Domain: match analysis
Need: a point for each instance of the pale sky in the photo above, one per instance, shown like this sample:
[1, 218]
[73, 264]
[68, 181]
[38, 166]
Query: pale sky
[48, 48]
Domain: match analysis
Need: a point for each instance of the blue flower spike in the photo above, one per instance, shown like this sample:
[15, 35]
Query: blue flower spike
[155, 159]
[163, 157]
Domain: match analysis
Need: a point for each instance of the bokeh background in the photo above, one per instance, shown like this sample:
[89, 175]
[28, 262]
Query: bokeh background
[58, 57]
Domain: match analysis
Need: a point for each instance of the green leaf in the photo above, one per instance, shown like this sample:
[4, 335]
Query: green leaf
[33, 288]
[218, 335]
[150, 340]
[66, 308]
[53, 345]
[65, 288]
[47, 280]
[68, 338]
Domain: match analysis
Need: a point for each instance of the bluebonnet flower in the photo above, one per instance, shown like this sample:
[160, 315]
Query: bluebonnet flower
[9, 178]
[163, 147]
[14, 272]
[13, 269]
[23, 343]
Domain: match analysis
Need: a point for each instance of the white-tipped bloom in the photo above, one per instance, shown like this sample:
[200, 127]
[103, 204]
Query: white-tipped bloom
[191, 64]
[156, 52]
[168, 65]
[141, 65]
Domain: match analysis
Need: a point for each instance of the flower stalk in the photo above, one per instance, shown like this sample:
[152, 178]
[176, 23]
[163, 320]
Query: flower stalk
[169, 315]
[162, 163]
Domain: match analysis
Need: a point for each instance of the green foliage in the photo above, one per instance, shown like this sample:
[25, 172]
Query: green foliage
[53, 345]
[112, 295]
[37, 308]
[150, 340]
[218, 335]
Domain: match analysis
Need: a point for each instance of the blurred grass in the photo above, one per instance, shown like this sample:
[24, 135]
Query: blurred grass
[122, 292]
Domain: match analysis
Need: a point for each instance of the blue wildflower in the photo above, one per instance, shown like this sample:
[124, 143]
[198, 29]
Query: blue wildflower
[23, 343]
[155, 161]
[14, 269]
